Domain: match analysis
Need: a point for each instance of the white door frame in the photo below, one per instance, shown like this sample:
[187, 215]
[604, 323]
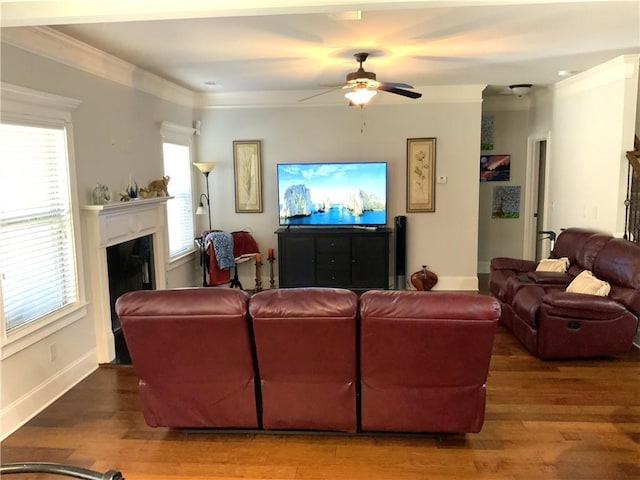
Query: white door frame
[531, 192]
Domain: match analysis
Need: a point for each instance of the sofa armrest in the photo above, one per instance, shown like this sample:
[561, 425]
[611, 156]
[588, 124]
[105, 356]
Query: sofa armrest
[550, 278]
[517, 264]
[581, 306]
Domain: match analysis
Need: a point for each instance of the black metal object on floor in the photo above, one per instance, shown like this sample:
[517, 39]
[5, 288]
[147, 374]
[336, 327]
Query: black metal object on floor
[59, 469]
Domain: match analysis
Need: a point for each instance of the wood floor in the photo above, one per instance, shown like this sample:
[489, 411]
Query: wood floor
[573, 420]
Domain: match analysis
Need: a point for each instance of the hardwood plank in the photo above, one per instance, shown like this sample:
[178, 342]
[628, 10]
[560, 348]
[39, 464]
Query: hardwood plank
[567, 420]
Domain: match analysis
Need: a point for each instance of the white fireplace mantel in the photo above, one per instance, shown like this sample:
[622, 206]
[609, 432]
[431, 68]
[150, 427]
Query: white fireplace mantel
[111, 224]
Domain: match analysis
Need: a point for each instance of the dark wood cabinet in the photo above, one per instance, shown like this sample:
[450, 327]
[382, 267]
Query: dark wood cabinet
[352, 258]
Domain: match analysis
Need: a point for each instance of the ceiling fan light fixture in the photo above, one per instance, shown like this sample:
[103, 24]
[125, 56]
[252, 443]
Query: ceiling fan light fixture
[520, 89]
[360, 96]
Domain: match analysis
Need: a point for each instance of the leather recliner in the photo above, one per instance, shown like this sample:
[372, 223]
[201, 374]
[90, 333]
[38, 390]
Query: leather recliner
[306, 350]
[414, 374]
[195, 363]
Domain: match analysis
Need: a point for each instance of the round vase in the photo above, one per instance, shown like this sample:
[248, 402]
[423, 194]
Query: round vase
[424, 280]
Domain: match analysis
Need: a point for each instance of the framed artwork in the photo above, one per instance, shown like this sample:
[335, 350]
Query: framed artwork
[495, 168]
[506, 202]
[486, 132]
[247, 174]
[421, 175]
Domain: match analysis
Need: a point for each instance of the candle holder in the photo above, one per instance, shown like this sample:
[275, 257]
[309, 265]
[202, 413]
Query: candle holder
[258, 273]
[272, 281]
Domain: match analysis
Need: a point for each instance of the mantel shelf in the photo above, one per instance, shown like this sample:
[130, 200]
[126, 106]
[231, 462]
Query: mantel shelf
[131, 204]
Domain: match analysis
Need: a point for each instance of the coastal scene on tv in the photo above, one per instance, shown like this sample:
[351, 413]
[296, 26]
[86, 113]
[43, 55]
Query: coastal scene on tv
[332, 193]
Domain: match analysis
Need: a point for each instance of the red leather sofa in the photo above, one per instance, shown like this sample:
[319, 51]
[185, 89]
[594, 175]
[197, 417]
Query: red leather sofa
[311, 358]
[553, 323]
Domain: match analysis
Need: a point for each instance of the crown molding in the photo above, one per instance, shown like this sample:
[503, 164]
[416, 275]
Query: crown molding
[49, 43]
[281, 99]
[615, 70]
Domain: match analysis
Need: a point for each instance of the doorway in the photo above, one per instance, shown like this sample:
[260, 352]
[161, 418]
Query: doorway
[536, 246]
[541, 155]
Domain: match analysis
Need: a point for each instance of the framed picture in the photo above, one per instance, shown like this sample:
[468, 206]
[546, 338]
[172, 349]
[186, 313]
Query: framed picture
[421, 175]
[495, 168]
[247, 174]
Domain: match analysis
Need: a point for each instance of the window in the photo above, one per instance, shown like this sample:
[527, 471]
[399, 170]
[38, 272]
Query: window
[38, 271]
[176, 149]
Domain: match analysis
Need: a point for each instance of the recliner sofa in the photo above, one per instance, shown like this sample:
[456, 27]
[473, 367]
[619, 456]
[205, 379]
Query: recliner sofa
[311, 358]
[553, 323]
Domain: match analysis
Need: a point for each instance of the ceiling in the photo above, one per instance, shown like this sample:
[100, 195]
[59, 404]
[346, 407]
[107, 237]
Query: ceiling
[272, 45]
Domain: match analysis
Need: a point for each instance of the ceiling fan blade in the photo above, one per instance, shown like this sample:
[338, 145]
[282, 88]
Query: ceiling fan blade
[318, 94]
[396, 84]
[333, 85]
[399, 91]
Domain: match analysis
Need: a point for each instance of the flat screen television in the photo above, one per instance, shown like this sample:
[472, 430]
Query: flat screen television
[332, 194]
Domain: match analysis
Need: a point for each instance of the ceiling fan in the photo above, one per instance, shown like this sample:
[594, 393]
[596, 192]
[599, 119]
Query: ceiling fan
[364, 86]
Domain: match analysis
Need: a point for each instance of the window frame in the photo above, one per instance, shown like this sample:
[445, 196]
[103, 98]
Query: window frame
[24, 106]
[179, 135]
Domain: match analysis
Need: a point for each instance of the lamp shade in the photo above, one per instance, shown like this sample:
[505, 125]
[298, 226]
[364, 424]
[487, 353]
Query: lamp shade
[200, 210]
[204, 167]
[360, 96]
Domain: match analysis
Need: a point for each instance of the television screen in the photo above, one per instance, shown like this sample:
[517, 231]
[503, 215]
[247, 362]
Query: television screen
[312, 194]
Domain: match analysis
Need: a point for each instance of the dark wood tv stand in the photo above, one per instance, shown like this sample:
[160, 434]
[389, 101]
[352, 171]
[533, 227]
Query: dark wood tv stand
[354, 258]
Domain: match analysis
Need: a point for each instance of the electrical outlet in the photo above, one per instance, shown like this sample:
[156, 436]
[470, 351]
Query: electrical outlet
[53, 352]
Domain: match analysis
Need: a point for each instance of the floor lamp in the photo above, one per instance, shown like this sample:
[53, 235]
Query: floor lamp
[205, 168]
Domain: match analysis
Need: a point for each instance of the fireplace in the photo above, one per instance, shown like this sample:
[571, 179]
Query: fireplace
[130, 268]
[127, 250]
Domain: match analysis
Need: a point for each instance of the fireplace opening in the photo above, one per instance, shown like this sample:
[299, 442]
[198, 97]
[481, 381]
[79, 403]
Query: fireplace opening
[130, 268]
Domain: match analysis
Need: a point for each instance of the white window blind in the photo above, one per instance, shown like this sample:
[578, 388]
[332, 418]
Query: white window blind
[177, 165]
[37, 261]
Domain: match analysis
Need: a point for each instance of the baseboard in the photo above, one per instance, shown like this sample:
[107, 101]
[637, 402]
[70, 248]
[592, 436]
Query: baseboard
[457, 283]
[18, 413]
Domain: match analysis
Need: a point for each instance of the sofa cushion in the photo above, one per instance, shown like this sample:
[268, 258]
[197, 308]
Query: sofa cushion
[306, 348]
[553, 265]
[619, 264]
[570, 242]
[588, 284]
[192, 350]
[413, 375]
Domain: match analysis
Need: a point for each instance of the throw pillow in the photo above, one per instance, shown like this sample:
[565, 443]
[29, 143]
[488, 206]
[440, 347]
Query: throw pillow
[552, 265]
[587, 283]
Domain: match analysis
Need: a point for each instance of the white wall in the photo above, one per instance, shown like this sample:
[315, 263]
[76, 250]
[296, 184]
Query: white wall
[116, 132]
[593, 121]
[445, 240]
[503, 237]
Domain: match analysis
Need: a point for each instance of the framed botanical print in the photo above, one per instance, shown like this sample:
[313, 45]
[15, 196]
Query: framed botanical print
[247, 173]
[421, 171]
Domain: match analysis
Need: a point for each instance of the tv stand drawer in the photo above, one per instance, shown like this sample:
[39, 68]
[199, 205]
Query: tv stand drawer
[333, 257]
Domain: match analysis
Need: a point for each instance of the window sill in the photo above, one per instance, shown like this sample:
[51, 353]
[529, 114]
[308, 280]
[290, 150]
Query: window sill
[182, 259]
[42, 328]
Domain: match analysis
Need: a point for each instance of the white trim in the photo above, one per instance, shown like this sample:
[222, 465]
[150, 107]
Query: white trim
[29, 405]
[25, 103]
[531, 192]
[49, 43]
[457, 283]
[287, 99]
[622, 67]
[42, 328]
[33, 107]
